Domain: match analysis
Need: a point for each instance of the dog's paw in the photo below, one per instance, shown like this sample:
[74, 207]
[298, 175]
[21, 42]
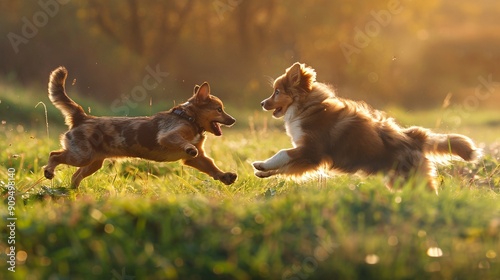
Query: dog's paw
[49, 175]
[192, 151]
[264, 174]
[259, 165]
[228, 178]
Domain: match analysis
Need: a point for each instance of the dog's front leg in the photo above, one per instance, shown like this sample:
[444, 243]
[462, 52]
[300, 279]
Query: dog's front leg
[207, 165]
[270, 166]
[175, 139]
[295, 161]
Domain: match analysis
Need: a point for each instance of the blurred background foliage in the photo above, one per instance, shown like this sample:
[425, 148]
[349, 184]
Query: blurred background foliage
[389, 53]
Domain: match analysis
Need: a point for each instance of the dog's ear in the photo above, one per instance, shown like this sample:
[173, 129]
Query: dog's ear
[202, 92]
[196, 88]
[293, 74]
[301, 75]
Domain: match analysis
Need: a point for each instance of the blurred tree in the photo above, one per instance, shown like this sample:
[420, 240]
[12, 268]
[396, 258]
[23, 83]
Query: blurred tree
[383, 51]
[147, 28]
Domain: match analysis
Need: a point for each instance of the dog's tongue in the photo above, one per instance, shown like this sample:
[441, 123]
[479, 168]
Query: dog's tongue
[216, 129]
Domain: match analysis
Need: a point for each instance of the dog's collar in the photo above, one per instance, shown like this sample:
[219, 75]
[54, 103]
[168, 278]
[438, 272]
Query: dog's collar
[181, 113]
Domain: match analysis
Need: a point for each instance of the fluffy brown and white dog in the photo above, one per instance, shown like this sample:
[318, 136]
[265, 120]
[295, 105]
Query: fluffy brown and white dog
[177, 134]
[349, 136]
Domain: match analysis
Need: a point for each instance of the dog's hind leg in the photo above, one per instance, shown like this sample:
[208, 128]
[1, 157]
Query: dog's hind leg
[54, 160]
[65, 157]
[427, 171]
[415, 168]
[85, 171]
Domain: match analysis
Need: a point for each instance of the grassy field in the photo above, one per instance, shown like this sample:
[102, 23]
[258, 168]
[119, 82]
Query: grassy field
[141, 220]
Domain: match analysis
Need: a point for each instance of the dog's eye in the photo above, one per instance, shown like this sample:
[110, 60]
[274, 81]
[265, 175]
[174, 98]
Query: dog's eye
[219, 110]
[276, 91]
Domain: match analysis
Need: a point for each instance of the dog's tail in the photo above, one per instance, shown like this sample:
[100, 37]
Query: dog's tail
[73, 113]
[441, 146]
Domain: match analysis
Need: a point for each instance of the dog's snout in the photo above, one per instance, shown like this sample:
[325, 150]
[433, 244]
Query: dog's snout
[229, 120]
[262, 103]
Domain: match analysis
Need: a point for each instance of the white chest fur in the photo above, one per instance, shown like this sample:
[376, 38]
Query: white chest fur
[293, 126]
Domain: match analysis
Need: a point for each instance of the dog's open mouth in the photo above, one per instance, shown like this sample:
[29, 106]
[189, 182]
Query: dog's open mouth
[216, 128]
[277, 111]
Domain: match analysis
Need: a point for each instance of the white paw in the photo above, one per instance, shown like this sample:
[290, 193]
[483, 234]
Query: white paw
[263, 174]
[259, 165]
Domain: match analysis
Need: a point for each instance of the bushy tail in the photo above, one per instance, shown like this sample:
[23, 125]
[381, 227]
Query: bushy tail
[73, 113]
[443, 145]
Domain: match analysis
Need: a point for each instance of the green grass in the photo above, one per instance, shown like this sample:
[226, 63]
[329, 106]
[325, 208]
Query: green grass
[165, 221]
[160, 221]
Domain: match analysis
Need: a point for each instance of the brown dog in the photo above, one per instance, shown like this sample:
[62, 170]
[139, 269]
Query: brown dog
[173, 135]
[349, 136]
